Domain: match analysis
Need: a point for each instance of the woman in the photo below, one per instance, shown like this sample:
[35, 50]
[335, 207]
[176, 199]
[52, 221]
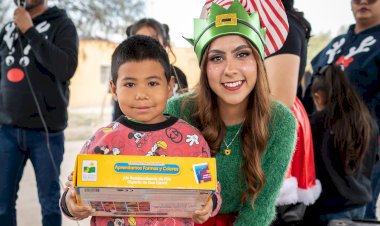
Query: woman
[251, 136]
[285, 70]
[153, 28]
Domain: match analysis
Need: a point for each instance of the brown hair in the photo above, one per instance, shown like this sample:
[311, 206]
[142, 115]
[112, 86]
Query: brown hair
[255, 126]
[346, 115]
[162, 30]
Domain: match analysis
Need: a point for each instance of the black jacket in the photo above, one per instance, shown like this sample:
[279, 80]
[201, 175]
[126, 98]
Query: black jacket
[49, 56]
[340, 192]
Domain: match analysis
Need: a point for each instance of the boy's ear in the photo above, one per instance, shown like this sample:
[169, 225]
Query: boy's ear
[171, 86]
[113, 90]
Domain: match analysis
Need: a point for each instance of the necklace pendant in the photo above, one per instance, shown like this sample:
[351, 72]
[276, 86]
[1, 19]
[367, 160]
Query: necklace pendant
[227, 151]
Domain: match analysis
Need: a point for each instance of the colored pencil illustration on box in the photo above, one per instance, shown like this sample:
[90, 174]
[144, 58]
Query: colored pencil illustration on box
[201, 173]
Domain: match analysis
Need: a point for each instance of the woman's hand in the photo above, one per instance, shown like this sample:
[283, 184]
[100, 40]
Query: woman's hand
[202, 215]
[77, 211]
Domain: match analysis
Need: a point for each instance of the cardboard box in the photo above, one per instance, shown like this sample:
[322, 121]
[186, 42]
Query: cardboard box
[145, 186]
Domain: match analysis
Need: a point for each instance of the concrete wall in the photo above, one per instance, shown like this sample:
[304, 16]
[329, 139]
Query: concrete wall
[87, 89]
[89, 86]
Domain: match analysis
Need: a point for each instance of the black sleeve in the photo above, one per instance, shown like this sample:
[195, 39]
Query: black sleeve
[214, 202]
[60, 56]
[292, 44]
[64, 206]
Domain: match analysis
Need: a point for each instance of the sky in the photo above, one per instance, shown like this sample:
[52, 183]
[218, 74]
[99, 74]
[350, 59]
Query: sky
[324, 15]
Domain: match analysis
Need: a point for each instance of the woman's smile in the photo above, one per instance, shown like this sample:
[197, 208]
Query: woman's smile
[232, 86]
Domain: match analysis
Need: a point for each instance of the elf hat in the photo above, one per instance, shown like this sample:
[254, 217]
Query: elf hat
[230, 17]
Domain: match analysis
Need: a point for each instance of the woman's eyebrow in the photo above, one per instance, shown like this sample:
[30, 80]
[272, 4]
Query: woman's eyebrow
[240, 48]
[235, 50]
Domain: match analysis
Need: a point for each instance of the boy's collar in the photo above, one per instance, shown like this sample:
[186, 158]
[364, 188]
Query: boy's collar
[139, 126]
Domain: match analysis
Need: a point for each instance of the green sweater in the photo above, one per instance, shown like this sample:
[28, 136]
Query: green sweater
[279, 151]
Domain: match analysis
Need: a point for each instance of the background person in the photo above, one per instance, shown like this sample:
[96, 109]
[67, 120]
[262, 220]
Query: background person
[345, 148]
[38, 56]
[358, 53]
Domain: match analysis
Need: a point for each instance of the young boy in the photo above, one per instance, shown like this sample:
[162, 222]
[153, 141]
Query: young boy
[141, 84]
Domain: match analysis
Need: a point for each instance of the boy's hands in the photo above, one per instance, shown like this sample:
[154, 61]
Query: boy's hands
[77, 211]
[69, 182]
[202, 215]
[81, 212]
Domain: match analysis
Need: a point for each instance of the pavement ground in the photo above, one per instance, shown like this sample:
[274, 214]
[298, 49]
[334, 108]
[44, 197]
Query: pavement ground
[28, 207]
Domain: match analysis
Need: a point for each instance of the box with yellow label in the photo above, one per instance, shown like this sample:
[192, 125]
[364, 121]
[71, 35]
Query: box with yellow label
[144, 186]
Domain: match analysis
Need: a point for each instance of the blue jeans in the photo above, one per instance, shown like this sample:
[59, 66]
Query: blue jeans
[16, 147]
[375, 184]
[357, 213]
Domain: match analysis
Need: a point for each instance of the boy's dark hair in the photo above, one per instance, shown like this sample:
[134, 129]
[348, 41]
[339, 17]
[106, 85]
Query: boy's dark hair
[138, 48]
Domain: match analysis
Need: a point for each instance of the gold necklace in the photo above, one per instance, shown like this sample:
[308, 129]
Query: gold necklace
[227, 151]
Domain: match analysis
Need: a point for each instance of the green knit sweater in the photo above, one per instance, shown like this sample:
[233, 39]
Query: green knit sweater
[282, 136]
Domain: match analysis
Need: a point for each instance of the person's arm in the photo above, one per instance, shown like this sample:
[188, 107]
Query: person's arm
[182, 107]
[210, 209]
[283, 66]
[216, 199]
[282, 73]
[275, 163]
[59, 57]
[71, 209]
[173, 107]
[67, 202]
[63, 206]
[2, 32]
[1, 60]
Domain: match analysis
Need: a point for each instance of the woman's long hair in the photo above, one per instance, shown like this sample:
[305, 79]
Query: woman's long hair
[255, 126]
[346, 115]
